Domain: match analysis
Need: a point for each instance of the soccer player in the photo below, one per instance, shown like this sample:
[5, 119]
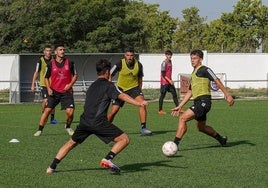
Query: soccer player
[130, 73]
[167, 84]
[199, 89]
[40, 71]
[60, 77]
[94, 119]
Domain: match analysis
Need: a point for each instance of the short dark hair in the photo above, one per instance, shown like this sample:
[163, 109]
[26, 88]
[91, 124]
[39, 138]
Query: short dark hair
[47, 46]
[168, 52]
[102, 65]
[199, 53]
[58, 45]
[129, 49]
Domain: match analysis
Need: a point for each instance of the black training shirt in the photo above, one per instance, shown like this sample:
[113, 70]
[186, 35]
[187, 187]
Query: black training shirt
[98, 99]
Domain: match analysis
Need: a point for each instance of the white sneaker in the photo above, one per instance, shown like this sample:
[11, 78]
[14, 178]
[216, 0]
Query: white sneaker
[38, 133]
[108, 164]
[50, 170]
[70, 131]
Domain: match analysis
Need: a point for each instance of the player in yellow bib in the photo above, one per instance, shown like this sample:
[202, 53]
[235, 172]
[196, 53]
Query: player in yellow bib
[130, 73]
[199, 89]
[40, 72]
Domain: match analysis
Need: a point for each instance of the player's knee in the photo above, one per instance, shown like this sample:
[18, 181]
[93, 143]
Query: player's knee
[201, 128]
[70, 112]
[125, 138]
[182, 119]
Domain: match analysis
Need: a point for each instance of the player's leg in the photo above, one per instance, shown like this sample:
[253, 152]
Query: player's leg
[182, 124]
[44, 96]
[79, 136]
[120, 143]
[107, 133]
[143, 117]
[174, 95]
[113, 111]
[67, 104]
[44, 102]
[63, 151]
[51, 103]
[163, 92]
[204, 128]
[69, 120]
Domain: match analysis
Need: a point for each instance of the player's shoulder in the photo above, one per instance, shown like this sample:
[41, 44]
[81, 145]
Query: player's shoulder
[203, 68]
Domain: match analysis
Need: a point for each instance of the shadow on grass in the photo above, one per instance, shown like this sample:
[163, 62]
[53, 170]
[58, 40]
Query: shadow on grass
[137, 167]
[79, 170]
[129, 168]
[229, 144]
[154, 132]
[241, 142]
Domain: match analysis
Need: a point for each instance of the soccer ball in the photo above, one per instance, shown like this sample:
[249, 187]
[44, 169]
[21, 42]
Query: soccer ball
[169, 148]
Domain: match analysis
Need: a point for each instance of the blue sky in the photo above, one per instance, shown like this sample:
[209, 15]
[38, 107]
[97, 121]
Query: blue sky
[212, 9]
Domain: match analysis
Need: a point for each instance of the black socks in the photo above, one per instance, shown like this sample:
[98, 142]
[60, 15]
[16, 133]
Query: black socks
[55, 163]
[110, 155]
[143, 125]
[177, 140]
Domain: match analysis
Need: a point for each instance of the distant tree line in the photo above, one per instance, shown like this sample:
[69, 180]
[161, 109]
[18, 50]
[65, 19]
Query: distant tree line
[100, 26]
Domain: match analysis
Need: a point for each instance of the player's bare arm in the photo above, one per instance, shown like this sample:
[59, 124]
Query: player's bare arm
[229, 98]
[35, 76]
[171, 82]
[130, 100]
[177, 110]
[49, 90]
[70, 85]
[140, 83]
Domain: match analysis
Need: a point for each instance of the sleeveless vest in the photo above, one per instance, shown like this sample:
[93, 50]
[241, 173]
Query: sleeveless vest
[200, 85]
[60, 77]
[128, 78]
[168, 70]
[42, 72]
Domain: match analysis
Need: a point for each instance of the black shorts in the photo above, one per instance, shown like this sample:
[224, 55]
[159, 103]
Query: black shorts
[167, 88]
[44, 92]
[201, 107]
[66, 100]
[106, 131]
[133, 93]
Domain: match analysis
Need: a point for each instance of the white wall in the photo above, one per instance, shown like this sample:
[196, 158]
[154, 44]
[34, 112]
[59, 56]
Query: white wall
[6, 62]
[237, 67]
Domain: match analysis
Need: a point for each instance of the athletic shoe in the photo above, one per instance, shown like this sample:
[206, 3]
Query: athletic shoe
[38, 133]
[53, 121]
[146, 132]
[50, 170]
[108, 164]
[161, 112]
[223, 141]
[70, 131]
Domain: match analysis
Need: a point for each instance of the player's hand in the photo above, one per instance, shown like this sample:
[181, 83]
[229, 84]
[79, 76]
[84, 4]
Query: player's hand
[144, 103]
[32, 89]
[171, 82]
[176, 111]
[50, 92]
[230, 100]
[67, 87]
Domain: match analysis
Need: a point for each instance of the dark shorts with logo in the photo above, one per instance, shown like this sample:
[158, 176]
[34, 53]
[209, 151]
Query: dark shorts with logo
[44, 92]
[134, 92]
[66, 100]
[106, 131]
[201, 107]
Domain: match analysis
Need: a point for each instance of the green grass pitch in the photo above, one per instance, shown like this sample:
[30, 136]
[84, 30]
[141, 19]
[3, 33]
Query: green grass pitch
[201, 162]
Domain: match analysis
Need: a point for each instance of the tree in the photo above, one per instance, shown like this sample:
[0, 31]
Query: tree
[189, 34]
[243, 30]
